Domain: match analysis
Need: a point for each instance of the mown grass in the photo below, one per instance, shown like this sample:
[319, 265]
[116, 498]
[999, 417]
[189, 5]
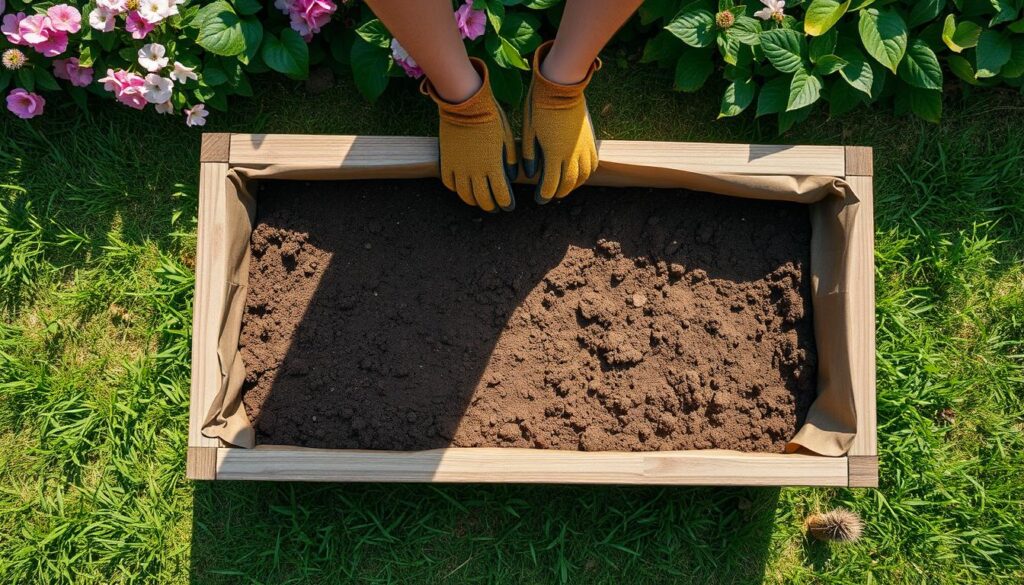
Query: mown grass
[97, 237]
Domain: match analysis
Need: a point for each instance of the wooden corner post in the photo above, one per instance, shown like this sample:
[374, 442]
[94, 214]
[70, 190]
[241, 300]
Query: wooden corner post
[213, 168]
[863, 456]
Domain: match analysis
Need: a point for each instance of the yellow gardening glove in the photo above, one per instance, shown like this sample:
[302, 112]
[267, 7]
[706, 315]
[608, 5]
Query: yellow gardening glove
[558, 136]
[478, 152]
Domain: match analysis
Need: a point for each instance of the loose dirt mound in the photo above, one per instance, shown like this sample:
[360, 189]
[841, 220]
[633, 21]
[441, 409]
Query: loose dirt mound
[386, 315]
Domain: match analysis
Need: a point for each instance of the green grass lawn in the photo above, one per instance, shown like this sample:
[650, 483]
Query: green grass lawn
[97, 243]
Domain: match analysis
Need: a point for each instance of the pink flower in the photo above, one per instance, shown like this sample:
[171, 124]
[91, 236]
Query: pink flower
[138, 26]
[10, 28]
[127, 87]
[69, 69]
[65, 18]
[404, 60]
[472, 23]
[197, 115]
[25, 104]
[37, 31]
[308, 16]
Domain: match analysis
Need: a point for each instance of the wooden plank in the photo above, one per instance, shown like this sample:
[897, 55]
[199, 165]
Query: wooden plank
[216, 147]
[374, 151]
[859, 161]
[209, 298]
[497, 465]
[201, 463]
[863, 471]
[862, 295]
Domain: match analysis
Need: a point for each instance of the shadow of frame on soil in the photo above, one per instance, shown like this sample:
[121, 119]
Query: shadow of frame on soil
[322, 533]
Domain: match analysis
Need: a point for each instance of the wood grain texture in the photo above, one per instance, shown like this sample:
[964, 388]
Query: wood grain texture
[201, 463]
[216, 147]
[862, 297]
[859, 161]
[863, 471]
[497, 465]
[208, 305]
[373, 151]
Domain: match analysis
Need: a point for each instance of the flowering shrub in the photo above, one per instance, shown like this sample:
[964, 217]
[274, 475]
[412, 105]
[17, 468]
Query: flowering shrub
[778, 57]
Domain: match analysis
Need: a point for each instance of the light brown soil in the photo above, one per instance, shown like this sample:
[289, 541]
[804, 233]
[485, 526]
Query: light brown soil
[387, 315]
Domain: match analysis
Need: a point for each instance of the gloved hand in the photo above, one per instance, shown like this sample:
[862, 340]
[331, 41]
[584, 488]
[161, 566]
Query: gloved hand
[478, 152]
[558, 136]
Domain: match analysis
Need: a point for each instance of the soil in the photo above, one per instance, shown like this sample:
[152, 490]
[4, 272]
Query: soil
[387, 315]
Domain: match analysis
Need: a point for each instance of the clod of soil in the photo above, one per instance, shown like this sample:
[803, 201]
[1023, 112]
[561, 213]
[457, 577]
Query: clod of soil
[387, 315]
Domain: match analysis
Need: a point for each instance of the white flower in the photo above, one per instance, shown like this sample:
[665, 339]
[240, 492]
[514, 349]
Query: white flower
[102, 19]
[772, 10]
[181, 74]
[151, 56]
[164, 108]
[196, 116]
[154, 11]
[114, 6]
[156, 89]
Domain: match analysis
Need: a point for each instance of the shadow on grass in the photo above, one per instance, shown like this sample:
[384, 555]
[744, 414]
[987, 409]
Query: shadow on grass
[330, 533]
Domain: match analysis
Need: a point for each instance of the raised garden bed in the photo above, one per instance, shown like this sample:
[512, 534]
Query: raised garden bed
[604, 350]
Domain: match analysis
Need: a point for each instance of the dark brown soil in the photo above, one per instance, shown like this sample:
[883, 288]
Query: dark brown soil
[387, 315]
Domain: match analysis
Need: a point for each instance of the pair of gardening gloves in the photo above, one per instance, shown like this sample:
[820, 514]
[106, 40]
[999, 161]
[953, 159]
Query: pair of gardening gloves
[478, 153]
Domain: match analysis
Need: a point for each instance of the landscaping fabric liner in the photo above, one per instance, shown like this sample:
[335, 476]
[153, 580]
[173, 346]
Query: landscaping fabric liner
[830, 425]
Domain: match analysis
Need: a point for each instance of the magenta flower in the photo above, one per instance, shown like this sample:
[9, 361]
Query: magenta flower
[24, 104]
[37, 31]
[404, 60]
[10, 28]
[127, 87]
[138, 26]
[308, 16]
[70, 70]
[472, 23]
[65, 18]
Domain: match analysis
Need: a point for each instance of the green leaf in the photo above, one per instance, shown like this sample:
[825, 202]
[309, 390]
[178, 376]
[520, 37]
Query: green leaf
[219, 29]
[784, 48]
[925, 11]
[521, 31]
[994, 49]
[86, 56]
[960, 36]
[370, 68]
[729, 47]
[77, 94]
[924, 103]
[692, 70]
[788, 119]
[774, 96]
[694, 27]
[1006, 10]
[1014, 68]
[662, 47]
[5, 78]
[252, 32]
[214, 76]
[504, 53]
[652, 10]
[374, 32]
[247, 7]
[804, 90]
[822, 15]
[288, 55]
[737, 97]
[823, 45]
[507, 84]
[884, 35]
[962, 68]
[842, 98]
[495, 14]
[829, 64]
[920, 67]
[45, 80]
[25, 78]
[746, 30]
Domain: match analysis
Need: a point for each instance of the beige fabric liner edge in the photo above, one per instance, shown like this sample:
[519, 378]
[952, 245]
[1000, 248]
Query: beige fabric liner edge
[832, 420]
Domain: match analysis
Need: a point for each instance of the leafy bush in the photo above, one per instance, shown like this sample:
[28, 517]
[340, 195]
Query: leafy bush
[781, 58]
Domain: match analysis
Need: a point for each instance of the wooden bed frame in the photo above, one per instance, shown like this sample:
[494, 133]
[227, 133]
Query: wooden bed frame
[208, 459]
